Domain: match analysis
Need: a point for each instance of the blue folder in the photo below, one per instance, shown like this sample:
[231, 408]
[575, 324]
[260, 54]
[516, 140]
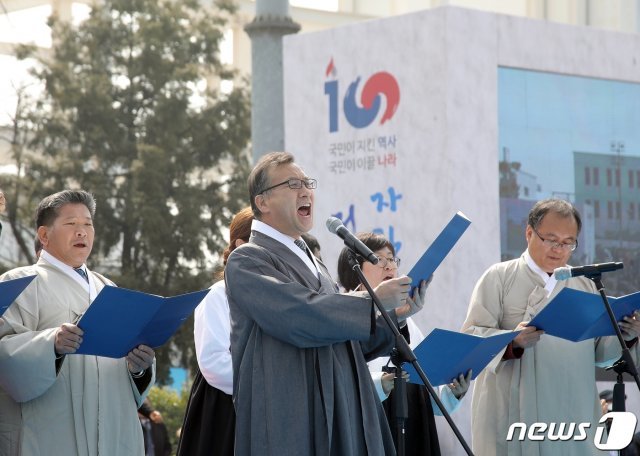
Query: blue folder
[578, 315]
[439, 249]
[444, 355]
[119, 320]
[11, 289]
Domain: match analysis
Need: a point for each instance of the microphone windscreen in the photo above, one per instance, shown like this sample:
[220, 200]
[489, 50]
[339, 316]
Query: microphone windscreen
[562, 273]
[333, 223]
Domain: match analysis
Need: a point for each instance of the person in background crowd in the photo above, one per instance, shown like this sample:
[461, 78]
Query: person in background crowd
[154, 431]
[3, 206]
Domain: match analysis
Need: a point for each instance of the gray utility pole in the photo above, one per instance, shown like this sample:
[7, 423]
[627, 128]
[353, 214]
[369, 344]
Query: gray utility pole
[617, 148]
[271, 23]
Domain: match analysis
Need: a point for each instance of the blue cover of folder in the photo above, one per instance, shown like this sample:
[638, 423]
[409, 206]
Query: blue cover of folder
[578, 315]
[119, 320]
[439, 249]
[444, 355]
[11, 289]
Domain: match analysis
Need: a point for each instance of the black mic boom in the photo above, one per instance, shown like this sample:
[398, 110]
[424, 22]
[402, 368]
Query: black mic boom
[336, 227]
[590, 270]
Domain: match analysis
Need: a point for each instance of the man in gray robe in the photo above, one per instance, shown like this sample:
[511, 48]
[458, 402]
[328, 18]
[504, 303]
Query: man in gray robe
[299, 349]
[537, 378]
[51, 401]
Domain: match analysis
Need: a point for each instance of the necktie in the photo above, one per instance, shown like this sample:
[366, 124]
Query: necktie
[82, 273]
[303, 245]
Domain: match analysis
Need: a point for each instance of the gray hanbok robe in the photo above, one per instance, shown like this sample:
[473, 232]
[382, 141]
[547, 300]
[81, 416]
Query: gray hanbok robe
[88, 406]
[299, 352]
[553, 382]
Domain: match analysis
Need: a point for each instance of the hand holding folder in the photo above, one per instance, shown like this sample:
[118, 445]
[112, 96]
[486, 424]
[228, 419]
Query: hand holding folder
[11, 289]
[439, 249]
[444, 355]
[578, 315]
[119, 320]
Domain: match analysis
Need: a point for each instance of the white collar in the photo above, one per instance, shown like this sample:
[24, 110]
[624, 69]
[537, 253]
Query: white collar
[270, 231]
[68, 270]
[548, 280]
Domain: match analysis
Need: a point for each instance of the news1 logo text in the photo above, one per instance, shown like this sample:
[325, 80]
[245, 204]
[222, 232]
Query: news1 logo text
[619, 435]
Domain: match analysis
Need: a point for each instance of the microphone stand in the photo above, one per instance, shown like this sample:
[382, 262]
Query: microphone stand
[400, 404]
[625, 363]
[405, 353]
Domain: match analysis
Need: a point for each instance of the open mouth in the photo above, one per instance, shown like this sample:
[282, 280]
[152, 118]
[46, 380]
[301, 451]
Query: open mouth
[388, 277]
[80, 244]
[305, 210]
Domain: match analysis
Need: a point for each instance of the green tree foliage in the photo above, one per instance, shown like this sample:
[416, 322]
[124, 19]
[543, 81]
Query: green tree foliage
[125, 116]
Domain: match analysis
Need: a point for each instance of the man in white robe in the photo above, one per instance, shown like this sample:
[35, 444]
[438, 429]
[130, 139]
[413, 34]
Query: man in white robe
[51, 401]
[537, 378]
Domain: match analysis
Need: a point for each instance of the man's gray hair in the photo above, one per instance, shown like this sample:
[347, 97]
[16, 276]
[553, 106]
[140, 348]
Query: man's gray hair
[49, 208]
[557, 206]
[259, 176]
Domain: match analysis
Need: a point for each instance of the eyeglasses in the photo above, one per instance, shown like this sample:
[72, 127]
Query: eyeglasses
[554, 244]
[293, 184]
[384, 262]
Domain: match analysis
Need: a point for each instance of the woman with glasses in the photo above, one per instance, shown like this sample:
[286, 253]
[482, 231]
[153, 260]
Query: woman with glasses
[421, 436]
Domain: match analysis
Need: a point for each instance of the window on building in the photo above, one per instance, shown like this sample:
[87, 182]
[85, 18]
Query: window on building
[596, 176]
[630, 179]
[638, 179]
[618, 215]
[609, 177]
[609, 209]
[632, 211]
[618, 177]
[587, 176]
[596, 209]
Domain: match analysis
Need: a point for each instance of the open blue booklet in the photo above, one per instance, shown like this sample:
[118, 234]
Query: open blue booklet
[578, 315]
[11, 289]
[439, 249]
[119, 320]
[444, 355]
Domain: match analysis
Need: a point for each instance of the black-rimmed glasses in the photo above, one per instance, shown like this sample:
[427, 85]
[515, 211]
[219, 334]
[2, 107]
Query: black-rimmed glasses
[294, 184]
[555, 244]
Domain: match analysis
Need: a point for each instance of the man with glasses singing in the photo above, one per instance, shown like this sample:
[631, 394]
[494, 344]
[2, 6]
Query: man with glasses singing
[299, 349]
[538, 378]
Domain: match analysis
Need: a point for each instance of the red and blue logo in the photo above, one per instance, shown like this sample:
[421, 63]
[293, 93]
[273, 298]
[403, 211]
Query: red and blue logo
[362, 113]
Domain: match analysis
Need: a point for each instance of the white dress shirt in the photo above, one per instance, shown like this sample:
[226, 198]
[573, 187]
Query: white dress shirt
[90, 287]
[212, 337]
[549, 280]
[268, 230]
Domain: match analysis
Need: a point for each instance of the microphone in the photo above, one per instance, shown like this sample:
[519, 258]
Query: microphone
[336, 227]
[590, 270]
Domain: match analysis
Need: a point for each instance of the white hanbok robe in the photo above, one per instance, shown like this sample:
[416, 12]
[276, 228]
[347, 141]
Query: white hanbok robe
[553, 381]
[85, 406]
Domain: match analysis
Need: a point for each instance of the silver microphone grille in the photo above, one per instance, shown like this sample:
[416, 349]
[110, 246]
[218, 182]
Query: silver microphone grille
[333, 223]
